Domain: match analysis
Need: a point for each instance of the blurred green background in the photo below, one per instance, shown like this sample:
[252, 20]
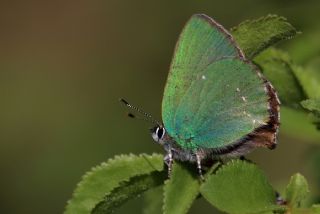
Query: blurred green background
[64, 64]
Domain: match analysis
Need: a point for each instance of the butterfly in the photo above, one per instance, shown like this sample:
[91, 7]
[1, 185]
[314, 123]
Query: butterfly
[216, 104]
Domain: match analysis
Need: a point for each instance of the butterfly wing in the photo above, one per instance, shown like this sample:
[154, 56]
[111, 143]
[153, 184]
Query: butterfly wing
[213, 97]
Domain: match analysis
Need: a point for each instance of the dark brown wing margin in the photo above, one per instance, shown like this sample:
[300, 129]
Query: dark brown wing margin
[266, 135]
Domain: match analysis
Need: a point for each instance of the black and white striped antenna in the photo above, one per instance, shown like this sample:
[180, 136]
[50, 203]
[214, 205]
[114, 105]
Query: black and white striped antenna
[146, 116]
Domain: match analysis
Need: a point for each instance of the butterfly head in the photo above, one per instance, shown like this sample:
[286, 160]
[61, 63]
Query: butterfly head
[158, 134]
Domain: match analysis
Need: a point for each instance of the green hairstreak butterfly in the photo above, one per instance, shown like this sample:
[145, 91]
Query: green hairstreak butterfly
[216, 103]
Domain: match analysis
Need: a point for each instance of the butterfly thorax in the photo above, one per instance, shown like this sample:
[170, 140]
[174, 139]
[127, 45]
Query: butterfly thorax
[161, 136]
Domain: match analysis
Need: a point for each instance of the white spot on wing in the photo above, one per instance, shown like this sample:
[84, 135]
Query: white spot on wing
[277, 99]
[259, 75]
[260, 122]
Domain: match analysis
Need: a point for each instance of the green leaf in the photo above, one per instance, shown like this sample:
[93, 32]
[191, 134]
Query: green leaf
[301, 211]
[239, 187]
[128, 190]
[153, 201]
[278, 68]
[253, 36]
[312, 105]
[297, 190]
[102, 179]
[305, 47]
[315, 208]
[181, 189]
[309, 77]
[303, 131]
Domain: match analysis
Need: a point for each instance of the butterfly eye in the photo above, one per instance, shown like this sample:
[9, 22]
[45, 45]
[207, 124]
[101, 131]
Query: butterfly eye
[160, 132]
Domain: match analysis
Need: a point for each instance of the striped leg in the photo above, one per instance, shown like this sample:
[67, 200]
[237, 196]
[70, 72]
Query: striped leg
[199, 165]
[168, 159]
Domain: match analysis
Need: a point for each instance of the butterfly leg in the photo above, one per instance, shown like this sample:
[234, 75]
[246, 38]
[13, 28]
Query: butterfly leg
[199, 165]
[168, 159]
[280, 200]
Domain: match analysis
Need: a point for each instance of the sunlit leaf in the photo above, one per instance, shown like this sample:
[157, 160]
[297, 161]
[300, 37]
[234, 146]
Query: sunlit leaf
[102, 179]
[305, 46]
[253, 36]
[309, 77]
[240, 187]
[128, 190]
[280, 71]
[181, 189]
[297, 190]
[153, 201]
[313, 105]
[304, 130]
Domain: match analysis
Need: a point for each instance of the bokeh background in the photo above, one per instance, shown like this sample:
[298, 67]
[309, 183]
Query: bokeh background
[65, 64]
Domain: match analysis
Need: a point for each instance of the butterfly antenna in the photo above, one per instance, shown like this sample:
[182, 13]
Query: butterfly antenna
[147, 117]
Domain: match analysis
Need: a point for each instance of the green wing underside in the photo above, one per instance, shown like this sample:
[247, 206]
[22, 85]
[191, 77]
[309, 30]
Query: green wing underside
[212, 97]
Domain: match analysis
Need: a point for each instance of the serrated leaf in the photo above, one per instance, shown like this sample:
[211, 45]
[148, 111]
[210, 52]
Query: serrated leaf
[153, 201]
[102, 179]
[239, 187]
[297, 190]
[278, 68]
[128, 190]
[313, 105]
[181, 189]
[253, 36]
